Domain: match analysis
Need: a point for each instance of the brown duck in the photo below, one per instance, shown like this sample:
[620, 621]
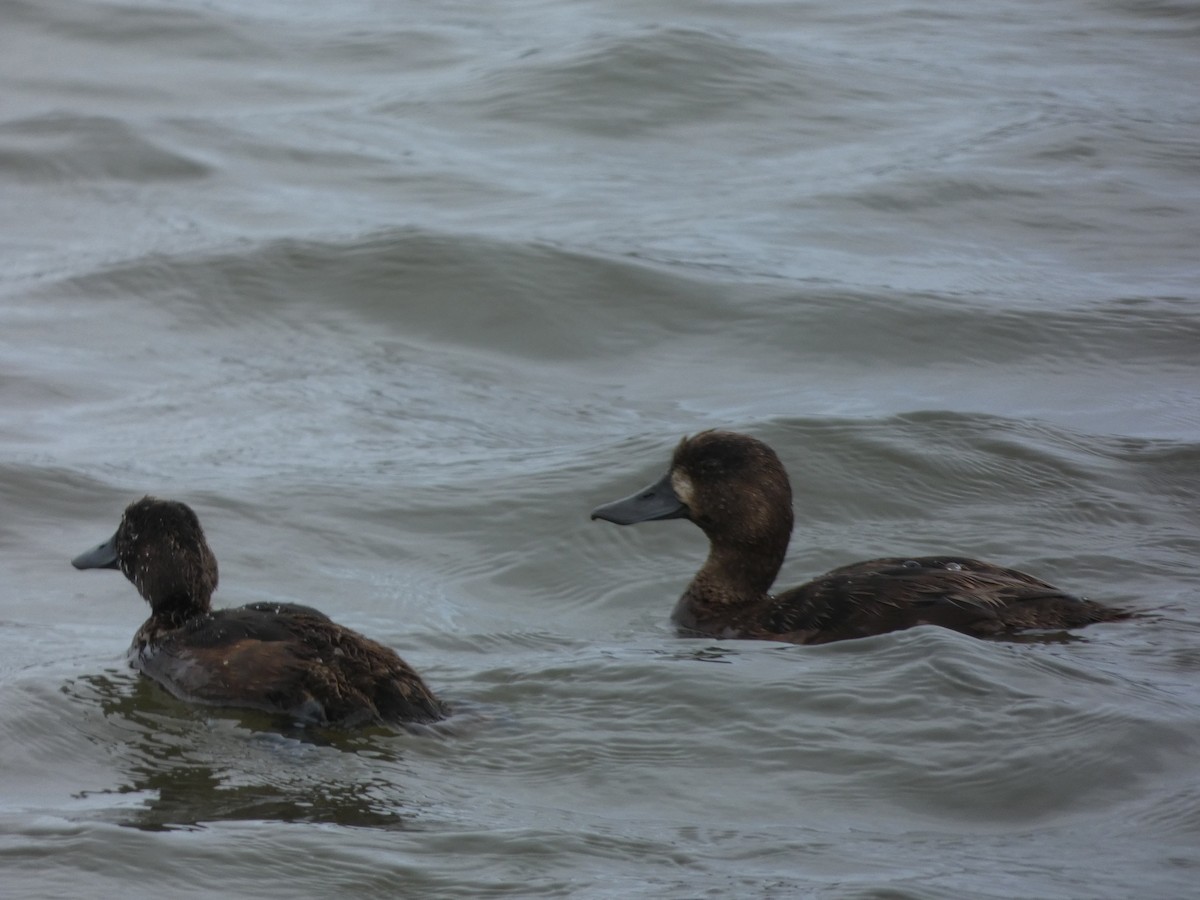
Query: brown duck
[734, 487]
[278, 657]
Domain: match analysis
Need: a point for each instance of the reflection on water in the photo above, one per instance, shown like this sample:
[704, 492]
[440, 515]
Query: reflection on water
[192, 771]
[193, 795]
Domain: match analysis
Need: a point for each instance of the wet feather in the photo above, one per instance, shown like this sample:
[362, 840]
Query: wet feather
[277, 657]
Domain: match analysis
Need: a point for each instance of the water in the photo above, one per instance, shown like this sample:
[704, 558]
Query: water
[393, 294]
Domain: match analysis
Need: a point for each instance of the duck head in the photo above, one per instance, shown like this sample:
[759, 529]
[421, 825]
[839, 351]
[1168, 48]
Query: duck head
[732, 485]
[160, 547]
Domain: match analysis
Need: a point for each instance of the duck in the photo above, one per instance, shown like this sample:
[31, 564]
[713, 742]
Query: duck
[282, 658]
[734, 487]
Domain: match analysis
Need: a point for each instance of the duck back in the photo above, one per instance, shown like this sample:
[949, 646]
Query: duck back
[284, 658]
[882, 595]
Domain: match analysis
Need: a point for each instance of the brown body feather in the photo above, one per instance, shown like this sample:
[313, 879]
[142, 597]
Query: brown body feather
[734, 487]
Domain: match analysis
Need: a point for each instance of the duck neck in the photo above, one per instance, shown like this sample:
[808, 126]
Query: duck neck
[176, 609]
[735, 575]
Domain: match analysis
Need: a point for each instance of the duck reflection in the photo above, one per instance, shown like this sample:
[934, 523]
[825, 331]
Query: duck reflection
[194, 769]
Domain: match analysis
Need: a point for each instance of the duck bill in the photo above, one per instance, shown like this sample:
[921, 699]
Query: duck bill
[102, 557]
[658, 501]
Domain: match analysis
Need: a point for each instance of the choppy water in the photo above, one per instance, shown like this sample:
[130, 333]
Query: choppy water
[394, 293]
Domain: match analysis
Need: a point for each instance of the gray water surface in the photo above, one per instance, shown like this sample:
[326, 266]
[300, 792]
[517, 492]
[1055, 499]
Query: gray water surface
[394, 294]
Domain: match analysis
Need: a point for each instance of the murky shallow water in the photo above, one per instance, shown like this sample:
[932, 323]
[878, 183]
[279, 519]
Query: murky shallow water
[393, 295]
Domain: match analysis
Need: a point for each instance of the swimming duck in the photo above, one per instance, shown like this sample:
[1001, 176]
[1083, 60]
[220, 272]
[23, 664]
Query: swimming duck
[734, 487]
[278, 657]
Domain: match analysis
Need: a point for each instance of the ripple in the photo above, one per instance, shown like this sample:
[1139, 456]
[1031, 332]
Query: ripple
[632, 84]
[89, 148]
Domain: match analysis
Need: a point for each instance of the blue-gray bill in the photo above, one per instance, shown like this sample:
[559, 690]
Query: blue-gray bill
[657, 501]
[102, 557]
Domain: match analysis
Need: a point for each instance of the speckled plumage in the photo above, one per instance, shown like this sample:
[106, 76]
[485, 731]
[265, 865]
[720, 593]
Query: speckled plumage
[277, 657]
[734, 487]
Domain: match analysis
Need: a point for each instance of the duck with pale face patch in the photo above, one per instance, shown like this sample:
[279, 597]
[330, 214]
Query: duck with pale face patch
[735, 488]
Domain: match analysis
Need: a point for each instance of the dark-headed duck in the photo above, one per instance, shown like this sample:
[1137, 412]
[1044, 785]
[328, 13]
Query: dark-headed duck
[734, 487]
[278, 657]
